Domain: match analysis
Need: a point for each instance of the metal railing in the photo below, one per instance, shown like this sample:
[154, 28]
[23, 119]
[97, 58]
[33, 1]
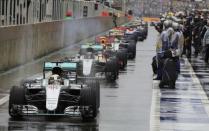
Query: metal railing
[16, 12]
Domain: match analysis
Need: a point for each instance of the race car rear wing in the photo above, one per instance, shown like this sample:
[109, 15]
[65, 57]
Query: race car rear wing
[65, 66]
[96, 47]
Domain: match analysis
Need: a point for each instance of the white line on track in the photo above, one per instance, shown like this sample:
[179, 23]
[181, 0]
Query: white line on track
[4, 99]
[154, 114]
[201, 91]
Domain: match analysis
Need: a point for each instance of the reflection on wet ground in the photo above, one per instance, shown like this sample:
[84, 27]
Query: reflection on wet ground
[118, 110]
[125, 104]
[44, 123]
[186, 107]
[202, 71]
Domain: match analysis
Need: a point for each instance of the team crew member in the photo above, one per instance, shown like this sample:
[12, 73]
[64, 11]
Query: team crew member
[196, 29]
[188, 37]
[206, 42]
[170, 31]
[181, 39]
[175, 46]
[162, 46]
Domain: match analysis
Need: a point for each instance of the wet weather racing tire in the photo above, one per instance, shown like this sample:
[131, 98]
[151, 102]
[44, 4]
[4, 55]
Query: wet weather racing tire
[90, 96]
[96, 87]
[17, 97]
[132, 50]
[111, 70]
[122, 58]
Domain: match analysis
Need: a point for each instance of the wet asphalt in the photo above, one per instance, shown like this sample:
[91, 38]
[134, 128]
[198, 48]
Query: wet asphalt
[185, 108]
[125, 104]
[202, 71]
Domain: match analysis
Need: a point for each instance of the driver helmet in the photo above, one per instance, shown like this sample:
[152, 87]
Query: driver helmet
[54, 79]
[89, 55]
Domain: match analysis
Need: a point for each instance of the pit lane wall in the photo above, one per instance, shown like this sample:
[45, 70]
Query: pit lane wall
[25, 43]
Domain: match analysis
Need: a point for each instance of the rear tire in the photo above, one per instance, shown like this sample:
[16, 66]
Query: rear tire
[111, 70]
[17, 97]
[89, 98]
[122, 56]
[132, 50]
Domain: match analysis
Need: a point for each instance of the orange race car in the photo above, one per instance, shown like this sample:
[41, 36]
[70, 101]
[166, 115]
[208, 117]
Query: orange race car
[105, 40]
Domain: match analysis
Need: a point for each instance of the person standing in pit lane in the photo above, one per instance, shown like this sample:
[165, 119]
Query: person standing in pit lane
[166, 35]
[181, 39]
[159, 25]
[196, 29]
[175, 45]
[188, 37]
[204, 29]
[206, 42]
[162, 46]
[170, 31]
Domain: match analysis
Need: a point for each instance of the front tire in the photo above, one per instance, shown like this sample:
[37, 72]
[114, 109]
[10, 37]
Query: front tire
[89, 97]
[16, 100]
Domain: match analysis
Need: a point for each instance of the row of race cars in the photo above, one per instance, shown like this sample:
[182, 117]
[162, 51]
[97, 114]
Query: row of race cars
[69, 87]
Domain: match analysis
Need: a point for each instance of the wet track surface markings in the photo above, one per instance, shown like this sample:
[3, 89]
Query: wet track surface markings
[185, 108]
[202, 71]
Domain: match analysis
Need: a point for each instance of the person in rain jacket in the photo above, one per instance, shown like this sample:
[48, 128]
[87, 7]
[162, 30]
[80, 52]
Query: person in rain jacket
[175, 45]
[181, 39]
[170, 30]
[162, 46]
[206, 42]
[165, 38]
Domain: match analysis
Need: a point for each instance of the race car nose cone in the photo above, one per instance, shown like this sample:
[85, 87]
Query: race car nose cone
[51, 106]
[52, 96]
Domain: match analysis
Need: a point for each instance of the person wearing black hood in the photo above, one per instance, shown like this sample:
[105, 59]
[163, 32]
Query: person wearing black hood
[159, 25]
[197, 27]
[204, 29]
[188, 37]
[205, 40]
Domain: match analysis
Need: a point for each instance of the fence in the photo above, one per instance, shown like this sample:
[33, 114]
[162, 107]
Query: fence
[16, 12]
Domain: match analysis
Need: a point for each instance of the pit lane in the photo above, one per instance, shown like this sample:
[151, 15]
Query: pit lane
[125, 104]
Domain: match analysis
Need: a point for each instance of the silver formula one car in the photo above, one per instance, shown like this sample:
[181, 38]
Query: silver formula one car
[58, 93]
[93, 60]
